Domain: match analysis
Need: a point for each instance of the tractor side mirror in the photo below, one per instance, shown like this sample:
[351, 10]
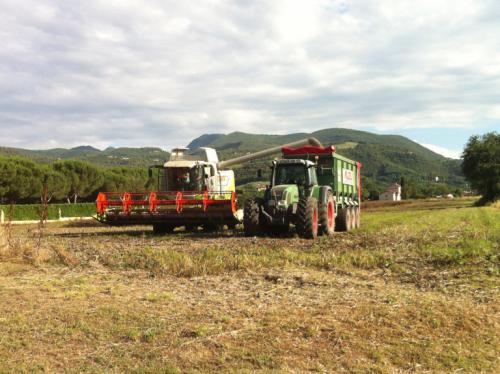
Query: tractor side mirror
[259, 173]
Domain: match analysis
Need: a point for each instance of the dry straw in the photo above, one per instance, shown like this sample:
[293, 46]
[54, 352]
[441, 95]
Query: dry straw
[3, 241]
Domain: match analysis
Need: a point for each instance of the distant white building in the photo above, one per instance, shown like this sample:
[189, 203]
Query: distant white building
[393, 193]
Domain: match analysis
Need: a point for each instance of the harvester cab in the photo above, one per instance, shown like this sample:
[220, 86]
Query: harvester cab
[194, 171]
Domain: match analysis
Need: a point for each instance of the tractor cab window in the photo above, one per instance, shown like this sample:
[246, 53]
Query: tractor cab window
[184, 179]
[290, 174]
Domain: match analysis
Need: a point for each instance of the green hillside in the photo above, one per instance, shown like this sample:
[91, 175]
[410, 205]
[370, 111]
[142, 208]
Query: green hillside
[385, 158]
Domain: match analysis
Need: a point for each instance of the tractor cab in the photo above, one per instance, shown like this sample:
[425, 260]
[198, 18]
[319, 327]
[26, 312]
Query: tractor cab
[301, 173]
[291, 179]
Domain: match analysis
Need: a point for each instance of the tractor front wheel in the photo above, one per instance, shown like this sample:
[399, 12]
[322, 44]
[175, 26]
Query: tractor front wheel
[252, 217]
[327, 216]
[307, 218]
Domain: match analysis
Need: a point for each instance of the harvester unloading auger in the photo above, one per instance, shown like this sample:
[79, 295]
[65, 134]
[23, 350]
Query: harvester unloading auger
[193, 191]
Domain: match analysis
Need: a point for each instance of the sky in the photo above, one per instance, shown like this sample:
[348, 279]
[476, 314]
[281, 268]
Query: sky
[160, 73]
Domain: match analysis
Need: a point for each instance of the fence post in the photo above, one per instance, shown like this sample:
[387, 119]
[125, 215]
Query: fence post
[59, 212]
[2, 217]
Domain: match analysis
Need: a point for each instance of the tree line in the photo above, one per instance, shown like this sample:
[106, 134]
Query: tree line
[24, 181]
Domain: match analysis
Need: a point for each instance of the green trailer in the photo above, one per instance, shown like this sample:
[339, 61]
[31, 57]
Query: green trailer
[313, 188]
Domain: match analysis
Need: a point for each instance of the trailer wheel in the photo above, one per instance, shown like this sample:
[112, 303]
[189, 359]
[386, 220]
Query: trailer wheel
[162, 228]
[327, 216]
[251, 217]
[307, 218]
[344, 219]
[357, 217]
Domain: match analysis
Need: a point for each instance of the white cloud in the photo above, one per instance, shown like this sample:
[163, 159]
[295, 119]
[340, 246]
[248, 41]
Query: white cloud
[162, 72]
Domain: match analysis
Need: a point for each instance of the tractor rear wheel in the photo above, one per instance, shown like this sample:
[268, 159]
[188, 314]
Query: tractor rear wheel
[344, 219]
[162, 228]
[307, 218]
[327, 216]
[252, 222]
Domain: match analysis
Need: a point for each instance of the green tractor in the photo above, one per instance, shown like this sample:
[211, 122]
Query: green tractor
[313, 188]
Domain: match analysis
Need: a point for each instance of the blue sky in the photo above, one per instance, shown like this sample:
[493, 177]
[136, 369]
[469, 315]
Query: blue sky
[161, 72]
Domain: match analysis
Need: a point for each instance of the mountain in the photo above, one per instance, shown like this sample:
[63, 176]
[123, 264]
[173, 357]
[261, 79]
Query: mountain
[204, 140]
[385, 158]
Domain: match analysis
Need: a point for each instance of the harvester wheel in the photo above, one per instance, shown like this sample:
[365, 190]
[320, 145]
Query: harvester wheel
[307, 218]
[211, 227]
[162, 228]
[251, 217]
[191, 228]
[344, 219]
[327, 216]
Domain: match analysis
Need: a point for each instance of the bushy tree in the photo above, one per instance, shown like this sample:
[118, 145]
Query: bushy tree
[125, 179]
[82, 178]
[55, 183]
[20, 179]
[481, 165]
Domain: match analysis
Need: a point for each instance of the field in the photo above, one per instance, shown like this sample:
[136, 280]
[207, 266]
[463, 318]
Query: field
[415, 290]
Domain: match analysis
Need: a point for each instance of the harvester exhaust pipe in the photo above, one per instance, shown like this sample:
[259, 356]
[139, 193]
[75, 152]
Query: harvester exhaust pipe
[267, 152]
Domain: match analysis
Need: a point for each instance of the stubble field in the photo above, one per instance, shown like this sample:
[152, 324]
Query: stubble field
[415, 290]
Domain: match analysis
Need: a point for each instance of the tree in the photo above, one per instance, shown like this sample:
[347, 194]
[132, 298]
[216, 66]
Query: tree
[125, 179]
[82, 178]
[54, 183]
[481, 165]
[19, 179]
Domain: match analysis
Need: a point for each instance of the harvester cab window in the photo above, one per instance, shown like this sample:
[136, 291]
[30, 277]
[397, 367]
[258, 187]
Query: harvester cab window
[183, 179]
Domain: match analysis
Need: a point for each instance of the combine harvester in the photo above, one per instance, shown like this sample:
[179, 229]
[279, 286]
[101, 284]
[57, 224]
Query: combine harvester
[194, 189]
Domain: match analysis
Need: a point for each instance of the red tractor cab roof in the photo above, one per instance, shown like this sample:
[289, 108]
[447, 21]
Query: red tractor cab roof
[308, 150]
